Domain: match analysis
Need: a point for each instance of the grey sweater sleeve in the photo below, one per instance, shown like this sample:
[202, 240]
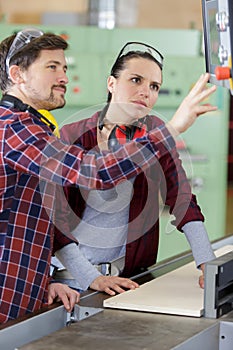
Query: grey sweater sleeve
[78, 266]
[198, 239]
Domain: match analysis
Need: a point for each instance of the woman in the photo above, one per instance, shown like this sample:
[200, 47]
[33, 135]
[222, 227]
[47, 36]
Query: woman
[120, 227]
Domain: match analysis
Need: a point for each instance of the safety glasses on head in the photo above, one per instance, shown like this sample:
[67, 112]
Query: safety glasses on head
[22, 39]
[135, 46]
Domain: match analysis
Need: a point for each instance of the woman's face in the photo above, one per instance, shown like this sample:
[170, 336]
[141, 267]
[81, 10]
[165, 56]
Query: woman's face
[137, 86]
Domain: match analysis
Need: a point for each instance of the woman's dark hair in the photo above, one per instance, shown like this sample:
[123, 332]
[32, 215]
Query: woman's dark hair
[120, 64]
[29, 53]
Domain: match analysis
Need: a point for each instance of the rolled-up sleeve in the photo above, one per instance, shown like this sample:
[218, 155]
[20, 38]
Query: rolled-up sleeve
[30, 148]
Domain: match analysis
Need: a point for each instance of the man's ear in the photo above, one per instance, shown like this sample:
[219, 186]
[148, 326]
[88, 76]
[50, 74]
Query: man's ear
[111, 83]
[15, 74]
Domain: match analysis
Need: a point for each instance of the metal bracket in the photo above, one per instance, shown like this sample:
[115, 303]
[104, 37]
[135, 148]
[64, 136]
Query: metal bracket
[218, 291]
[80, 313]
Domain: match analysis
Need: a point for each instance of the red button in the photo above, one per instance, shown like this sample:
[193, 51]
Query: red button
[64, 36]
[76, 90]
[222, 73]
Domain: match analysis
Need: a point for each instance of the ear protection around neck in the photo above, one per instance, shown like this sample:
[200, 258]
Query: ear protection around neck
[122, 134]
[15, 103]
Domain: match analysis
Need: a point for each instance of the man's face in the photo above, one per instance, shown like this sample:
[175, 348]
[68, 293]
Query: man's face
[44, 82]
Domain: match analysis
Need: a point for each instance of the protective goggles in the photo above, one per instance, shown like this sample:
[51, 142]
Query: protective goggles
[22, 39]
[134, 46]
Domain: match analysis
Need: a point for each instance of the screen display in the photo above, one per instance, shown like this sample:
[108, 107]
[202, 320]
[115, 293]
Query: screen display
[214, 37]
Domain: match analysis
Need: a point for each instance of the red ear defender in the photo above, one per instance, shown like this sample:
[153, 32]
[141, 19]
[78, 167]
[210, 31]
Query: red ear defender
[139, 132]
[124, 133]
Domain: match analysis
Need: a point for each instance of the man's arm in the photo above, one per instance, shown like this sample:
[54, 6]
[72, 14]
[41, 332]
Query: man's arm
[36, 151]
[41, 154]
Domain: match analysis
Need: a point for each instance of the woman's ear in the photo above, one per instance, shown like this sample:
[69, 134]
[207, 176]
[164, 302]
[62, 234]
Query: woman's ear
[15, 74]
[111, 83]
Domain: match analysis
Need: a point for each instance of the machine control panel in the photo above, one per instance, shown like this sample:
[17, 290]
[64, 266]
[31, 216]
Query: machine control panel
[218, 40]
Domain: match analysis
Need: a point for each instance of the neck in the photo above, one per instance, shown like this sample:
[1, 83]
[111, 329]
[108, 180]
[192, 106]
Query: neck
[18, 93]
[117, 114]
[13, 101]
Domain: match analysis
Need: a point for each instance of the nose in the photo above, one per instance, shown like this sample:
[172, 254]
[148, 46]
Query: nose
[63, 78]
[144, 90]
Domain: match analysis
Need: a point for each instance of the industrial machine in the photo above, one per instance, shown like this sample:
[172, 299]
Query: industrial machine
[91, 326]
[218, 296]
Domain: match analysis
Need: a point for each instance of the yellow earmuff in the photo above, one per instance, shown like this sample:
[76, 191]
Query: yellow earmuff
[52, 119]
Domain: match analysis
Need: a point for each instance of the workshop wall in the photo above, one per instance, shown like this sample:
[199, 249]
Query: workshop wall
[27, 11]
[170, 14]
[150, 13]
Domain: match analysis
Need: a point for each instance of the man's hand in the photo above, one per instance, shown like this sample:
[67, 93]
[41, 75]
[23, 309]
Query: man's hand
[112, 284]
[62, 292]
[191, 108]
[201, 278]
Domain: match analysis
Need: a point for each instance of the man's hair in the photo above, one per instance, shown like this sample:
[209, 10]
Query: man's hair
[29, 53]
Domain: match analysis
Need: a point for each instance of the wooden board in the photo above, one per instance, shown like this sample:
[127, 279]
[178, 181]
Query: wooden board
[176, 292]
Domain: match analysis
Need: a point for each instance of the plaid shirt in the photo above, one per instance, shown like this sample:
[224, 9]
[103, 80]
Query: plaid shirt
[32, 163]
[166, 177]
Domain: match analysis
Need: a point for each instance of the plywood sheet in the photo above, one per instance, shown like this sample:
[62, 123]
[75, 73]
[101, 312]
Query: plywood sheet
[176, 292]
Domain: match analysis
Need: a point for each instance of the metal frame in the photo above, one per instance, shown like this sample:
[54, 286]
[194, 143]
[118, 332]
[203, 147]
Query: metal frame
[41, 325]
[218, 292]
[223, 9]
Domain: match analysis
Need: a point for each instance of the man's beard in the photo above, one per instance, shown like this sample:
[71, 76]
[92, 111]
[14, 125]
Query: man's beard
[53, 102]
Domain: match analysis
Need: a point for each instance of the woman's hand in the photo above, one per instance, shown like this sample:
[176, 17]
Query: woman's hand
[201, 278]
[112, 284]
[191, 108]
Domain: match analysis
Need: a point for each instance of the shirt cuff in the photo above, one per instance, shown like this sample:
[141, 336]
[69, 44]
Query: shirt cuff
[198, 239]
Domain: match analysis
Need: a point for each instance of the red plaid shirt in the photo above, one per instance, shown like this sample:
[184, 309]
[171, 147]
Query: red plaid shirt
[166, 177]
[32, 163]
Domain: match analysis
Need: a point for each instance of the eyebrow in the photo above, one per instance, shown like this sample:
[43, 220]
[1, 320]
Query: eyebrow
[140, 76]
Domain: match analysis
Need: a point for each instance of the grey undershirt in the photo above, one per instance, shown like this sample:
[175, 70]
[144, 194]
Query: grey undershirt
[85, 273]
[102, 236]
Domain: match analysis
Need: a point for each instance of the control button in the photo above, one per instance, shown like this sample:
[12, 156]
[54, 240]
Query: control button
[65, 36]
[75, 78]
[76, 89]
[222, 73]
[222, 21]
[222, 54]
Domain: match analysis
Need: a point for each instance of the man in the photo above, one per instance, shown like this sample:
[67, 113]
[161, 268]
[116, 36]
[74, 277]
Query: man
[33, 161]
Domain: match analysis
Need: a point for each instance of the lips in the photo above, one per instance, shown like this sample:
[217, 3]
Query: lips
[142, 103]
[60, 88]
